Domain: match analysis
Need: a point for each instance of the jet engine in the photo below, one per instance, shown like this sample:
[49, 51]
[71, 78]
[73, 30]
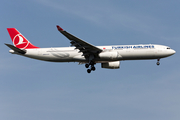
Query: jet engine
[111, 65]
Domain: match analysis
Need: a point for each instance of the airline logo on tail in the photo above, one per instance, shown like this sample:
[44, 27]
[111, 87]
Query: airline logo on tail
[19, 40]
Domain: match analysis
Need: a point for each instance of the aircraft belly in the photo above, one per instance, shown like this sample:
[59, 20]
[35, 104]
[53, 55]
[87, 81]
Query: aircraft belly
[56, 56]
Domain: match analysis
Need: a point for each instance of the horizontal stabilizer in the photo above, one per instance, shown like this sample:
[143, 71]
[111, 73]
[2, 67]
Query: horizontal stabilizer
[16, 49]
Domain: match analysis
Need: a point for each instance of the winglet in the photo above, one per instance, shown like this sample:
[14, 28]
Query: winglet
[59, 28]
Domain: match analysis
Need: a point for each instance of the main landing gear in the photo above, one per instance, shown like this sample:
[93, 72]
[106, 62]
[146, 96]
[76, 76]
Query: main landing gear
[92, 68]
[158, 63]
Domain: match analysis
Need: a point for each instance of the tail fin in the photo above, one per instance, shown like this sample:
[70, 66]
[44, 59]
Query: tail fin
[19, 40]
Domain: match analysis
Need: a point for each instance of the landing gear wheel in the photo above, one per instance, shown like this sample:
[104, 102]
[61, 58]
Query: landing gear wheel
[89, 70]
[93, 68]
[158, 63]
[86, 65]
[91, 64]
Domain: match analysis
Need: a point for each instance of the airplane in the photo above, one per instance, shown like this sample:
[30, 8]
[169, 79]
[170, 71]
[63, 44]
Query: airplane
[86, 53]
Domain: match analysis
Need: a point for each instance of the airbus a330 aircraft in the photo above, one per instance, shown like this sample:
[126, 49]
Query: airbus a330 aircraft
[86, 53]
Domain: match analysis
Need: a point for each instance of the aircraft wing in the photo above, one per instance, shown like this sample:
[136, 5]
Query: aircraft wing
[83, 46]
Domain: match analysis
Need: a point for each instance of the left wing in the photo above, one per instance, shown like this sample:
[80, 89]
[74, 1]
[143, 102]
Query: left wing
[86, 48]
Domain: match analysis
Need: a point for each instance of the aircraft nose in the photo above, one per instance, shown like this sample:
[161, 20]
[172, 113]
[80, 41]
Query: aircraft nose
[173, 52]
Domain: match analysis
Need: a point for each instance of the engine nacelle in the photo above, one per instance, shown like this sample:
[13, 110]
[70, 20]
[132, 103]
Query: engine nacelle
[111, 65]
[108, 55]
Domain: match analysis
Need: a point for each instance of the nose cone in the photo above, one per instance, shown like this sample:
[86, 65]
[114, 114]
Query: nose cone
[172, 52]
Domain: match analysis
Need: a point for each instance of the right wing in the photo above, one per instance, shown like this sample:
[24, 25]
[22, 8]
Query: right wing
[86, 48]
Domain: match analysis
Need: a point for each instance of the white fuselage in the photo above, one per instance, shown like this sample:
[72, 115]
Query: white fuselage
[110, 53]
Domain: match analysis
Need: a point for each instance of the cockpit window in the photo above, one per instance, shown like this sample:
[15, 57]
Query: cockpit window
[168, 48]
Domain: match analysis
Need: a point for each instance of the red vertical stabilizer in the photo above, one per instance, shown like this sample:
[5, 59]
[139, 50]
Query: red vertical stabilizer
[19, 40]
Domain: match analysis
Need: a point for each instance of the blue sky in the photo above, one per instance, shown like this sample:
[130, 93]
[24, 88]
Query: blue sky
[32, 89]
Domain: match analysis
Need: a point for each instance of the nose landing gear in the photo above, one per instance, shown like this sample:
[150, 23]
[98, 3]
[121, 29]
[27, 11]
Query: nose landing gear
[158, 63]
